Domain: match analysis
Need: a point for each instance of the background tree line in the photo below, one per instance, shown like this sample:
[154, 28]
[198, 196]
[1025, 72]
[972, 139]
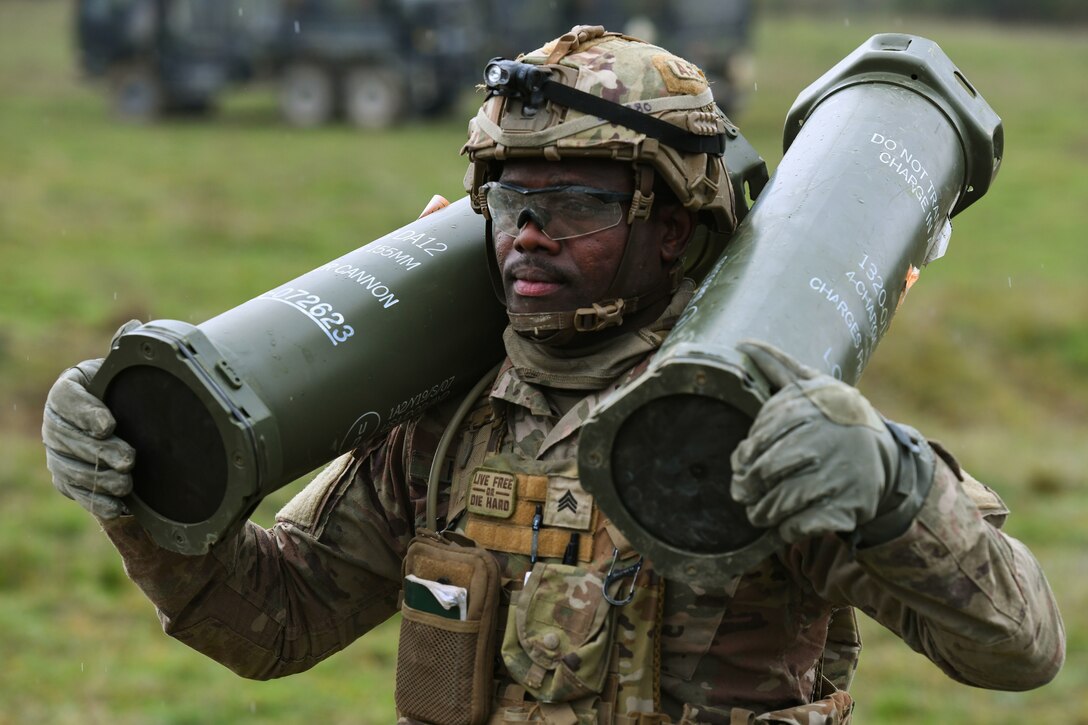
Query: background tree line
[1036, 11]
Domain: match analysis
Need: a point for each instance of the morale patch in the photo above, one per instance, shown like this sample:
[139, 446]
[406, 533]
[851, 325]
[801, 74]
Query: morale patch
[568, 505]
[679, 75]
[492, 493]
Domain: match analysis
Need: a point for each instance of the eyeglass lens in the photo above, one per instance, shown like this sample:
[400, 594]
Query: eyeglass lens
[560, 213]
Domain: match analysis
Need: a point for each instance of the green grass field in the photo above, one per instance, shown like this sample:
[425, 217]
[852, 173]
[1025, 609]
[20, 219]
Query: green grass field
[101, 222]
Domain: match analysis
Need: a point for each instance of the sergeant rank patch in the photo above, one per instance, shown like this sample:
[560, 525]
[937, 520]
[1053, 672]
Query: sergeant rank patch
[492, 493]
[568, 504]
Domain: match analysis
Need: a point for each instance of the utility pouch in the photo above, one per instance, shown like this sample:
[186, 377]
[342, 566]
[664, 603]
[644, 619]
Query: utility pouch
[559, 633]
[444, 662]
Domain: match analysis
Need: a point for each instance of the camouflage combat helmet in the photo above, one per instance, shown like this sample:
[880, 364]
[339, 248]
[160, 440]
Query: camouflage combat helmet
[595, 94]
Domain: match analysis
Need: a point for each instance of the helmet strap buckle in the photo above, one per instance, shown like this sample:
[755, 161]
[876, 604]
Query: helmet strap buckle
[643, 200]
[478, 200]
[641, 204]
[598, 317]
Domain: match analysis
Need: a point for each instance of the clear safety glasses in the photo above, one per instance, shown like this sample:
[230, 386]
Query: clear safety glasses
[561, 212]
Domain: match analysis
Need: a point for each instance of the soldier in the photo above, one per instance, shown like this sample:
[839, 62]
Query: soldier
[591, 197]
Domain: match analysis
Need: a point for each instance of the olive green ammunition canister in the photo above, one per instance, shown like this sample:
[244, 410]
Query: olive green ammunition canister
[223, 413]
[880, 152]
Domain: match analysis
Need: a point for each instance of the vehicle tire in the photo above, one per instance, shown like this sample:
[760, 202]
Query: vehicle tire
[307, 95]
[136, 93]
[373, 97]
[188, 107]
[430, 97]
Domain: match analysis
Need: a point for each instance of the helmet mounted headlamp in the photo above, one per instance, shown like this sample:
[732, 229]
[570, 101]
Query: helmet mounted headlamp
[591, 94]
[517, 80]
[532, 85]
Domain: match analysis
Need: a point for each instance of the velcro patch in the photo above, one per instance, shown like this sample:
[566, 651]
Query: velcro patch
[679, 75]
[568, 504]
[492, 493]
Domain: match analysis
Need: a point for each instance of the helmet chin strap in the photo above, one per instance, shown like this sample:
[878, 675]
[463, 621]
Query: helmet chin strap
[561, 328]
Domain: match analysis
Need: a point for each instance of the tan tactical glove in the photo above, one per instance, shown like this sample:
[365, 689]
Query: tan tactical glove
[89, 464]
[820, 459]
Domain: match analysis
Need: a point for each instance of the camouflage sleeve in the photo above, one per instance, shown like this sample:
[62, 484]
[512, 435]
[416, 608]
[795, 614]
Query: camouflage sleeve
[954, 587]
[268, 603]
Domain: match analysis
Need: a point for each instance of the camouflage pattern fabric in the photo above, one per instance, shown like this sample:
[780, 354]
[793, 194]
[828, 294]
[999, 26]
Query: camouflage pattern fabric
[954, 587]
[836, 709]
[625, 71]
[841, 649]
[595, 647]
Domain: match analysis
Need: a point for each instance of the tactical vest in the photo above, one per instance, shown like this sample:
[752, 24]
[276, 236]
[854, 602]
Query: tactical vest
[579, 613]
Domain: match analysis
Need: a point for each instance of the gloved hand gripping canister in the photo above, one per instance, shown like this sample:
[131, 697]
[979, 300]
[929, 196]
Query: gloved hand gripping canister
[89, 464]
[820, 459]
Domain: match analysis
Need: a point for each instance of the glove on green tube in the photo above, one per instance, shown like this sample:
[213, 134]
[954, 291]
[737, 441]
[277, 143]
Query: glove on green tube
[820, 459]
[89, 464]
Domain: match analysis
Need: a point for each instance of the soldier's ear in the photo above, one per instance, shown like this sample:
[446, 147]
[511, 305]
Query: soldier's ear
[677, 225]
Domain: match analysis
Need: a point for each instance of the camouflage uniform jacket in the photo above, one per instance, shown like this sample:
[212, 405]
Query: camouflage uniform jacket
[268, 603]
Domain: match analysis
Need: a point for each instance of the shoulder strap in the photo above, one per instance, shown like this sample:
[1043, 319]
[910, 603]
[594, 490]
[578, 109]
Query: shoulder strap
[443, 445]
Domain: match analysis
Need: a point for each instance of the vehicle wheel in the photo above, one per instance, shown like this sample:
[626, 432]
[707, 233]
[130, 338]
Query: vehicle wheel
[373, 97]
[439, 106]
[306, 95]
[136, 93]
[189, 107]
[429, 97]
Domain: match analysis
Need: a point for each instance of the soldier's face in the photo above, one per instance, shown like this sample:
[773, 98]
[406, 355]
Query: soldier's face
[541, 274]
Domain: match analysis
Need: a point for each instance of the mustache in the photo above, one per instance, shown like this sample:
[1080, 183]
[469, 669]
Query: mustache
[542, 268]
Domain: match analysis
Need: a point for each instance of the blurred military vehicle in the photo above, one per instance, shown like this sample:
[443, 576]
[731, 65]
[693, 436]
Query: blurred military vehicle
[713, 34]
[371, 62]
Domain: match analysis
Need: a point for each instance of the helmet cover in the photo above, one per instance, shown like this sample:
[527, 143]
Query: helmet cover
[625, 71]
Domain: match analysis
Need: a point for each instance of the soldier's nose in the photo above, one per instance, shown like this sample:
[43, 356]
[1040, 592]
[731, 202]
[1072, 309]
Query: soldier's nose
[531, 236]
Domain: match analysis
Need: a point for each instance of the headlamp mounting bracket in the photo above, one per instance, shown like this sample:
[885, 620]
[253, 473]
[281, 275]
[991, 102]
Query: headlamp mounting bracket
[515, 79]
